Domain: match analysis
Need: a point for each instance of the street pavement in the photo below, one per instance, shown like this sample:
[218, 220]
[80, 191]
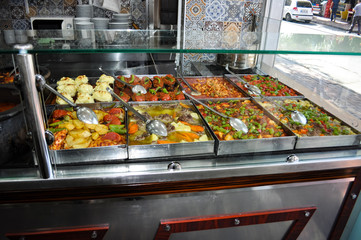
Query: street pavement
[338, 23]
[334, 78]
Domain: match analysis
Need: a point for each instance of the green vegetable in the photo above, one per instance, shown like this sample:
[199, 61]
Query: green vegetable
[164, 90]
[54, 130]
[117, 128]
[56, 124]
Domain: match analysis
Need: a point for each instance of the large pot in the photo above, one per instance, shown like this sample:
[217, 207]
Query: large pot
[14, 147]
[237, 61]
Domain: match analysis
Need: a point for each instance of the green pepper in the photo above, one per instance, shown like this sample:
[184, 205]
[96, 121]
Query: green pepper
[117, 128]
[54, 130]
[67, 118]
[271, 131]
[132, 78]
[164, 90]
[56, 123]
[170, 79]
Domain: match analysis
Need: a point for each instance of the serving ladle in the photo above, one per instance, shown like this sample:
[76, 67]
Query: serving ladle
[193, 91]
[152, 126]
[84, 114]
[295, 115]
[236, 123]
[135, 88]
[251, 88]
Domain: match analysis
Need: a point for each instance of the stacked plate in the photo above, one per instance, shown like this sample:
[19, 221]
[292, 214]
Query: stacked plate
[120, 21]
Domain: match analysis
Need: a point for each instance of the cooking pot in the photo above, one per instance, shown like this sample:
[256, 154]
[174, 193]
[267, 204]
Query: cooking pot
[237, 61]
[14, 147]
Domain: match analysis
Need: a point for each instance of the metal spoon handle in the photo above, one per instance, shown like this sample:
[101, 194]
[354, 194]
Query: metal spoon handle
[188, 85]
[60, 95]
[238, 78]
[206, 106]
[144, 119]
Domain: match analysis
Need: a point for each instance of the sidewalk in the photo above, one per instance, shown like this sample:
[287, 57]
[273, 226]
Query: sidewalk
[339, 23]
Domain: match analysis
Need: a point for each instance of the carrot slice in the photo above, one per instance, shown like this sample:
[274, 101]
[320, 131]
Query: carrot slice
[196, 128]
[132, 127]
[184, 105]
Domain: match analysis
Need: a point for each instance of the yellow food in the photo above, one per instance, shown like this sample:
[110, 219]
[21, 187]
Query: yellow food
[84, 98]
[181, 127]
[102, 96]
[106, 79]
[81, 79]
[61, 101]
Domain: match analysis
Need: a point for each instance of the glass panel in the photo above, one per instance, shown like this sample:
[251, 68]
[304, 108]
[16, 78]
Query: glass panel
[128, 41]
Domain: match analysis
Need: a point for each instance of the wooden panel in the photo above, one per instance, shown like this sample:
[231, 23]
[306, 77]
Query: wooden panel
[300, 217]
[154, 188]
[76, 233]
[346, 208]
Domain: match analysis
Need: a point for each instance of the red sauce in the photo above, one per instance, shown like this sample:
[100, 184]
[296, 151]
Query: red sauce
[6, 106]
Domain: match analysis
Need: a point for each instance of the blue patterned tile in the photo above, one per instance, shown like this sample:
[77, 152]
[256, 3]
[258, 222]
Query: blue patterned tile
[235, 11]
[195, 10]
[6, 24]
[21, 24]
[213, 26]
[208, 57]
[44, 11]
[215, 10]
[4, 13]
[16, 3]
[4, 3]
[251, 9]
[212, 39]
[17, 12]
[69, 11]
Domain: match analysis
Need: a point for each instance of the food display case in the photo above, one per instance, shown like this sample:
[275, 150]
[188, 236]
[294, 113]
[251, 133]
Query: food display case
[204, 179]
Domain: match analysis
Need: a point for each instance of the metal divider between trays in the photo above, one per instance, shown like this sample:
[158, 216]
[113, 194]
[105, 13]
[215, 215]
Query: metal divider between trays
[219, 143]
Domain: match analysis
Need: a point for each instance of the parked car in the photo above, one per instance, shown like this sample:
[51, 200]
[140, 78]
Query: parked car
[298, 10]
[323, 8]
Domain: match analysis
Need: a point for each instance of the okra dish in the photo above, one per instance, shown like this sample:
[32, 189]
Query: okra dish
[268, 85]
[182, 122]
[71, 133]
[319, 123]
[259, 125]
[159, 88]
[214, 87]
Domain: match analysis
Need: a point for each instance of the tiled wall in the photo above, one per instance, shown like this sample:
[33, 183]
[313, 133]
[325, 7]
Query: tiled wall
[13, 13]
[218, 24]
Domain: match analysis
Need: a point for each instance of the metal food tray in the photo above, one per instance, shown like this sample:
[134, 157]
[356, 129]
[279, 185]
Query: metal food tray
[230, 77]
[325, 141]
[191, 80]
[224, 147]
[175, 149]
[96, 154]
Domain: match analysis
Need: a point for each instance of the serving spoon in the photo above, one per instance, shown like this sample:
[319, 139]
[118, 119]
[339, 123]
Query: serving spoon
[84, 114]
[193, 91]
[253, 89]
[236, 123]
[152, 126]
[295, 115]
[135, 88]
